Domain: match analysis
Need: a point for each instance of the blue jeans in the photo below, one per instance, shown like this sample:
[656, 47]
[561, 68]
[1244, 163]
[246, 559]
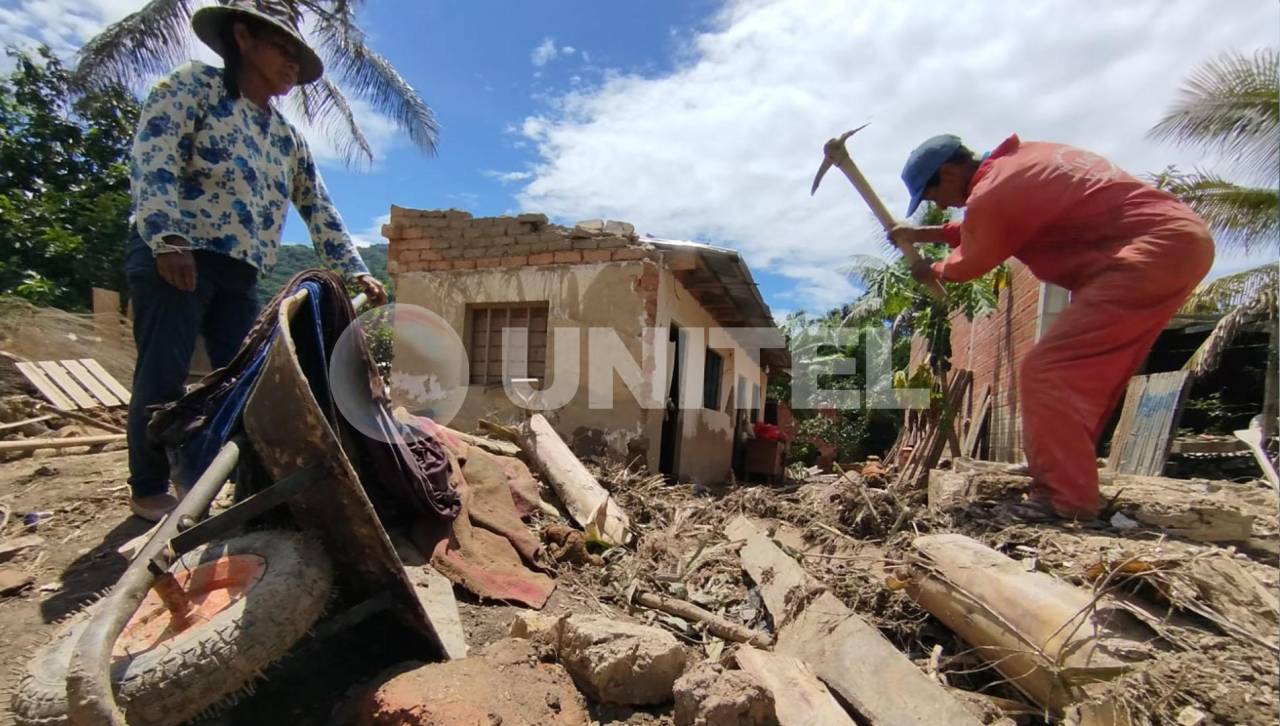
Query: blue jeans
[166, 323]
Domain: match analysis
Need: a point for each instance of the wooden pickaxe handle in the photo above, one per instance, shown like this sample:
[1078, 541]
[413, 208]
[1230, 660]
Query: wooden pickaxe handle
[838, 156]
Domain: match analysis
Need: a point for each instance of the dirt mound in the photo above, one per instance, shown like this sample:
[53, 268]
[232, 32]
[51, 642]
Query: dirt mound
[505, 684]
[33, 333]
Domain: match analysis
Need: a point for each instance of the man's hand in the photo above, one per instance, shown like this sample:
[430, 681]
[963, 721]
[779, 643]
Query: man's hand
[905, 234]
[922, 270]
[177, 267]
[374, 289]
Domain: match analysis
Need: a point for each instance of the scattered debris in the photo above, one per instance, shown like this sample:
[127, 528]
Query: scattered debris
[588, 503]
[709, 695]
[618, 662]
[1045, 635]
[800, 698]
[850, 656]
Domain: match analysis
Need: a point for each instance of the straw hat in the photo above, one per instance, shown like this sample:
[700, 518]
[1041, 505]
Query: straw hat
[208, 22]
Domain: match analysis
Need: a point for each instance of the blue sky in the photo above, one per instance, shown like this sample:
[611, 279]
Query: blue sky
[704, 119]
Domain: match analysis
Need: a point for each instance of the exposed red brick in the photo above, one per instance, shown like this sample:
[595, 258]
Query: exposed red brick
[630, 253]
[597, 255]
[542, 258]
[515, 260]
[488, 262]
[568, 256]
[464, 264]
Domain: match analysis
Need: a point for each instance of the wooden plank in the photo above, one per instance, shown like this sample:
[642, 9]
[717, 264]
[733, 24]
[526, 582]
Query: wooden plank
[67, 384]
[1153, 405]
[26, 422]
[77, 416]
[86, 379]
[45, 386]
[435, 592]
[851, 656]
[33, 444]
[106, 379]
[799, 697]
[976, 422]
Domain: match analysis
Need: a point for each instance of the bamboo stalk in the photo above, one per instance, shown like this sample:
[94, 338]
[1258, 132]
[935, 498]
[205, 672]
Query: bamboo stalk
[716, 625]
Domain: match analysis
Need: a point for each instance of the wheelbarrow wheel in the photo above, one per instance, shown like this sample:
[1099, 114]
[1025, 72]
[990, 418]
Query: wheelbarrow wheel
[252, 598]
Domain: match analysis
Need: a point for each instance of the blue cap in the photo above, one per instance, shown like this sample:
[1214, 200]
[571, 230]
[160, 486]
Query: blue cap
[924, 162]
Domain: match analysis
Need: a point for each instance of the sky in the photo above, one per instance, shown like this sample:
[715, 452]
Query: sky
[704, 119]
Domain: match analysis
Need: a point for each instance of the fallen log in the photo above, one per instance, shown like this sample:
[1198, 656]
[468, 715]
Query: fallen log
[33, 444]
[851, 656]
[1047, 637]
[590, 505]
[799, 697]
[716, 625]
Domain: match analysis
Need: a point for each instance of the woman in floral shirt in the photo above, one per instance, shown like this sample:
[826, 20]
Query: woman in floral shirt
[215, 166]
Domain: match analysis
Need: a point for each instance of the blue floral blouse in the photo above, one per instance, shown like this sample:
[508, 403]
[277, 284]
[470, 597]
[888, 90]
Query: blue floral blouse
[220, 171]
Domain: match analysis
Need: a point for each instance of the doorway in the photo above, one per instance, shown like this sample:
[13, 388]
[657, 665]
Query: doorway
[669, 447]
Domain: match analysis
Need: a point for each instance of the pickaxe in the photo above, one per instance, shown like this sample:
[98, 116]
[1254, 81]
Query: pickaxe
[834, 154]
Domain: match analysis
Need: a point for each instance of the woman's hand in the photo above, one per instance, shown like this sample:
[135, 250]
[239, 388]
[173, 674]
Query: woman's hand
[177, 266]
[374, 289]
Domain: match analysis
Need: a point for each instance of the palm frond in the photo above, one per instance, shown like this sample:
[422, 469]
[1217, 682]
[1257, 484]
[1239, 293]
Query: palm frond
[1261, 305]
[373, 77]
[1231, 105]
[1245, 218]
[146, 43]
[324, 103]
[1232, 291]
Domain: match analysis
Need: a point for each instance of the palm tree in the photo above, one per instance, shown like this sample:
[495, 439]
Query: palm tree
[893, 296]
[1230, 106]
[153, 40]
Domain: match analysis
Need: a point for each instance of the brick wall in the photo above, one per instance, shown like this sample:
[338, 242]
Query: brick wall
[993, 347]
[441, 240]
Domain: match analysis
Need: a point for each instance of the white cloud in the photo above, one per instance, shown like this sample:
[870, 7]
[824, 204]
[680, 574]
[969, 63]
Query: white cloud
[544, 53]
[371, 235]
[725, 146]
[568, 50]
[507, 177]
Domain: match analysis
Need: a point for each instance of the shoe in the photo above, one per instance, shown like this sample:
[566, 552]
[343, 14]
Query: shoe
[152, 508]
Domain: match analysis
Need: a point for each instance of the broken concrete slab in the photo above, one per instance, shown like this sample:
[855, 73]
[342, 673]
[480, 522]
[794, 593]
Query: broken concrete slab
[801, 699]
[505, 684]
[435, 592]
[1047, 637]
[618, 662]
[852, 657]
[709, 695]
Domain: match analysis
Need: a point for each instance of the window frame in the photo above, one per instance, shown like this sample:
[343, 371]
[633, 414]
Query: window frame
[529, 311]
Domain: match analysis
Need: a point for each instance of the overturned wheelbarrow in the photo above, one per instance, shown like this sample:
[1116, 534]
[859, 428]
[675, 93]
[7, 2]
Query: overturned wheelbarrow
[208, 603]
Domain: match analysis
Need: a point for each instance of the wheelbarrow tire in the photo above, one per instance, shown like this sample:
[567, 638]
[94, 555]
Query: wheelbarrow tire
[211, 660]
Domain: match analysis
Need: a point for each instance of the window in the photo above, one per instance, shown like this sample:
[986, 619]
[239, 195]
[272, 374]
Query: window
[514, 334]
[711, 380]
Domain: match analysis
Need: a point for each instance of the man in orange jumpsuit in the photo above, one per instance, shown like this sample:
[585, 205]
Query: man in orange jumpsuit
[1129, 253]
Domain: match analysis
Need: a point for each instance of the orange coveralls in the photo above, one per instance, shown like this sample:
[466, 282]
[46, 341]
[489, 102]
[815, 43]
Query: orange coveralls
[1130, 255]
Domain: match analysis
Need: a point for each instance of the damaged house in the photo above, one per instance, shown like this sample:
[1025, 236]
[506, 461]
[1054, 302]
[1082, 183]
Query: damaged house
[633, 345]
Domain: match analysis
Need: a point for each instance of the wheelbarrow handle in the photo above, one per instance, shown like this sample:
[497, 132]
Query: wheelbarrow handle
[89, 694]
[90, 698]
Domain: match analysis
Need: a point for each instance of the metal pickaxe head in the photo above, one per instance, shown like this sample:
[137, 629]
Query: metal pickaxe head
[830, 150]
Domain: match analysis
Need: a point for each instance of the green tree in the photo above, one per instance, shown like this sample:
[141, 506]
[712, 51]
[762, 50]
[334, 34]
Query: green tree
[153, 40]
[64, 183]
[1230, 106]
[893, 297]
